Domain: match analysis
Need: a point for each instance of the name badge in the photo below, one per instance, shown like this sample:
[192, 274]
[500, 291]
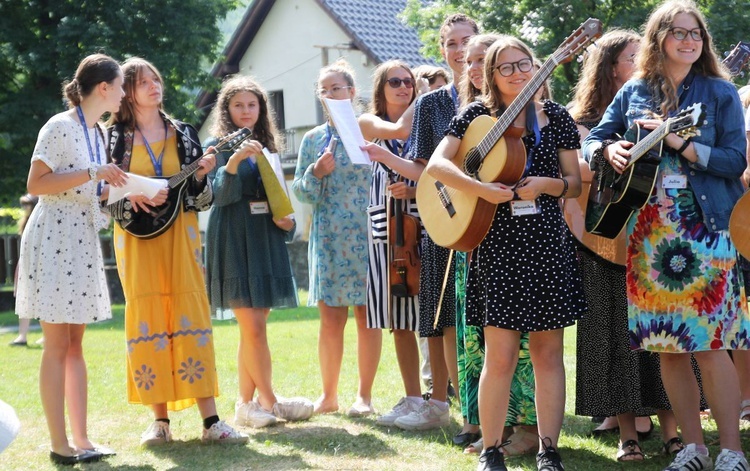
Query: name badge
[674, 181]
[523, 208]
[259, 207]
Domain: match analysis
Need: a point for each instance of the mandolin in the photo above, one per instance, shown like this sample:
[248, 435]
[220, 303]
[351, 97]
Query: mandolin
[147, 225]
[490, 151]
[614, 197]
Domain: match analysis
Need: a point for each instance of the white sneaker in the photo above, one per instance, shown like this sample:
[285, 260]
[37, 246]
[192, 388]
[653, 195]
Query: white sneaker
[156, 434]
[251, 414]
[689, 459]
[295, 408]
[729, 460]
[428, 416]
[404, 407]
[221, 432]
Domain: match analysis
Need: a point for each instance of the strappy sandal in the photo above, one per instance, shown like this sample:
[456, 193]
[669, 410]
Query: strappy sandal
[745, 410]
[521, 442]
[475, 447]
[672, 446]
[630, 451]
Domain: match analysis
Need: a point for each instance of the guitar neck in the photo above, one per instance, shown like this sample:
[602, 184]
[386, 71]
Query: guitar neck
[642, 147]
[516, 107]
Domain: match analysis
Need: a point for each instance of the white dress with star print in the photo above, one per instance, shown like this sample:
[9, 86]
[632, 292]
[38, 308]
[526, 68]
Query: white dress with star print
[61, 271]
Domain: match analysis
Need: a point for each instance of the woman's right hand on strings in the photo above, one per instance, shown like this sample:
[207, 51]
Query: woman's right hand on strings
[247, 150]
[111, 174]
[142, 202]
[617, 155]
[324, 165]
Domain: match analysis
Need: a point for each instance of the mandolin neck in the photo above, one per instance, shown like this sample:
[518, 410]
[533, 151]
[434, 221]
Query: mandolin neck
[177, 179]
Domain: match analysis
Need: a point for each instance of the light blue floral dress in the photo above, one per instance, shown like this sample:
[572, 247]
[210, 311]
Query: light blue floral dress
[337, 253]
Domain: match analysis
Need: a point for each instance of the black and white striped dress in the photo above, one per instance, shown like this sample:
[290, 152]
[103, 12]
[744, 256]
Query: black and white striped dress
[404, 311]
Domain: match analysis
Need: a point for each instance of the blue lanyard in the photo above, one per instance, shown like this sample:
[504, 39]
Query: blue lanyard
[454, 96]
[98, 160]
[329, 136]
[155, 161]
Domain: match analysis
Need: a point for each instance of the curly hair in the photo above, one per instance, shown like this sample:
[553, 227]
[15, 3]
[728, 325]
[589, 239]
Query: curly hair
[491, 95]
[467, 92]
[380, 79]
[596, 85]
[651, 58]
[264, 131]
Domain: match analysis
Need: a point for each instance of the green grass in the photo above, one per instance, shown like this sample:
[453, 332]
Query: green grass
[325, 442]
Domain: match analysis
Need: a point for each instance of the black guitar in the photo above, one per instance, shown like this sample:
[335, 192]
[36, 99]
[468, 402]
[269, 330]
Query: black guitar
[737, 58]
[614, 197]
[147, 225]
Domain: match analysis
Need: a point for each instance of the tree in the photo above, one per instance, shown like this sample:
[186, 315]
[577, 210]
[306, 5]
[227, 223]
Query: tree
[42, 41]
[544, 24]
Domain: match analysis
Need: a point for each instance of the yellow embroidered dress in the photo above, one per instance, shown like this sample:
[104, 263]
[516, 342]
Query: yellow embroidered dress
[167, 322]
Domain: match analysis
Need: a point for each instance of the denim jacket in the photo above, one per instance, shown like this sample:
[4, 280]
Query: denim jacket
[721, 145]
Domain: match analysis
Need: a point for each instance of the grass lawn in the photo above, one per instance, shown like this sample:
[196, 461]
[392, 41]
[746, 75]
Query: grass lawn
[325, 442]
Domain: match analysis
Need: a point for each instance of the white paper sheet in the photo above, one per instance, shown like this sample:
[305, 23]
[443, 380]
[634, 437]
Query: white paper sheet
[136, 184]
[346, 124]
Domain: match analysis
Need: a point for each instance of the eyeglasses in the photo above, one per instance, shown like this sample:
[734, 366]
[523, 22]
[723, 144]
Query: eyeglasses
[682, 33]
[506, 68]
[396, 82]
[630, 58]
[332, 91]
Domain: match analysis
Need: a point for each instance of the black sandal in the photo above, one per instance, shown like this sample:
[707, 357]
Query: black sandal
[672, 442]
[634, 450]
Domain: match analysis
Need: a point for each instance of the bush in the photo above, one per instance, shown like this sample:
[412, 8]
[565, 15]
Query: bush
[9, 218]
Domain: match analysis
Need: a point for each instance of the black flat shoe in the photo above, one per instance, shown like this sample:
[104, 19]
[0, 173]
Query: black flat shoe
[83, 457]
[600, 432]
[18, 343]
[644, 435]
[465, 439]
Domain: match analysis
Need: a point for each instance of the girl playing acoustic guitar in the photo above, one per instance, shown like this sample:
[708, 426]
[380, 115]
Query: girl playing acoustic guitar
[684, 285]
[524, 277]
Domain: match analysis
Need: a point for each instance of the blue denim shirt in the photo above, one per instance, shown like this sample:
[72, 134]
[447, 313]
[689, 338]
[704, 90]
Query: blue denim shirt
[715, 177]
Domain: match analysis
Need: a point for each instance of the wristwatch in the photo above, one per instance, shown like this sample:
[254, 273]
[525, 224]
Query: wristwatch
[92, 174]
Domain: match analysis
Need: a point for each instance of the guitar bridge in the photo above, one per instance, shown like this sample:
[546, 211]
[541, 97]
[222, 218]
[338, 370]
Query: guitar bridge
[445, 198]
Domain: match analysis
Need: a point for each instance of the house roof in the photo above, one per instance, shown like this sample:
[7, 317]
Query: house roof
[373, 25]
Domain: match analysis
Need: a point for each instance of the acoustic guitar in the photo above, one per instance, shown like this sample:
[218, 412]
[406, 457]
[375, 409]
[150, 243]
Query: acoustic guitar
[739, 225]
[736, 60]
[147, 225]
[490, 151]
[614, 197]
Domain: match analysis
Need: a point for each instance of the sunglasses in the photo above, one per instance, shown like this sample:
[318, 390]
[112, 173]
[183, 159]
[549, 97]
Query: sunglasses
[396, 82]
[682, 33]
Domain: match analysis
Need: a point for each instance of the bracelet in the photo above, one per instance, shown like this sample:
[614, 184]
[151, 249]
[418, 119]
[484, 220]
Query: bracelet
[565, 188]
[598, 156]
[685, 144]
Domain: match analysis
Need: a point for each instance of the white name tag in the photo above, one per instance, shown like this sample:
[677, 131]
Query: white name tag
[523, 208]
[674, 181]
[259, 207]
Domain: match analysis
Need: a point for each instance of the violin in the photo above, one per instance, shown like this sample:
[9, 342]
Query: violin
[404, 232]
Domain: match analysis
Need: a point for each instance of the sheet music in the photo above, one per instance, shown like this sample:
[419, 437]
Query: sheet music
[342, 115]
[136, 184]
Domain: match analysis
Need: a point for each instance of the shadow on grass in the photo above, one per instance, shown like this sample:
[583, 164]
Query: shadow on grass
[324, 440]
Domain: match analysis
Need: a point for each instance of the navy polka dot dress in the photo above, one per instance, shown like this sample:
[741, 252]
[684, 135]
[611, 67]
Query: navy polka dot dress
[524, 275]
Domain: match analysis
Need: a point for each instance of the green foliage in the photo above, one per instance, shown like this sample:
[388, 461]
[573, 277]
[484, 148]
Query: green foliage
[42, 42]
[544, 24]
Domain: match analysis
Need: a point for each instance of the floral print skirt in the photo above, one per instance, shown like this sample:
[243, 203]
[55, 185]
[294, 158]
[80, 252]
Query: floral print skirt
[685, 286]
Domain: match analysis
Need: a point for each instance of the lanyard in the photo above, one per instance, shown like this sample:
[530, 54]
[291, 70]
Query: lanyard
[329, 136]
[155, 161]
[98, 160]
[454, 96]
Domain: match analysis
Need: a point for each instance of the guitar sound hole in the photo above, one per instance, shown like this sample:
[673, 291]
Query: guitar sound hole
[473, 162]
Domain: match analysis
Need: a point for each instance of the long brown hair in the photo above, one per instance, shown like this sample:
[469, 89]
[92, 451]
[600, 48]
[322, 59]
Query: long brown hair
[467, 92]
[491, 95]
[264, 130]
[132, 69]
[596, 85]
[378, 107]
[650, 59]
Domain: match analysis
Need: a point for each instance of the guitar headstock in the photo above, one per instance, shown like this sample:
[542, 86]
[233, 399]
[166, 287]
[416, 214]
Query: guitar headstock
[576, 42]
[736, 60]
[686, 123]
[232, 140]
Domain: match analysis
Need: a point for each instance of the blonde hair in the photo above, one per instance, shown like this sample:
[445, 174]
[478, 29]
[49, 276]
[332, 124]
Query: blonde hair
[650, 59]
[596, 85]
[264, 130]
[491, 95]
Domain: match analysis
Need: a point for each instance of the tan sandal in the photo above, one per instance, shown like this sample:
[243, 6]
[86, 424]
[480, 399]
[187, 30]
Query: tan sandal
[522, 442]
